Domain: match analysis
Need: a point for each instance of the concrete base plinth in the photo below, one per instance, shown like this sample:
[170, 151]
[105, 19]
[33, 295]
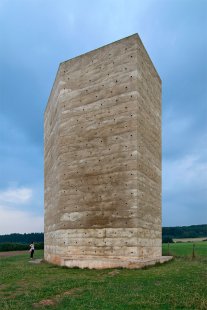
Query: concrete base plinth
[102, 262]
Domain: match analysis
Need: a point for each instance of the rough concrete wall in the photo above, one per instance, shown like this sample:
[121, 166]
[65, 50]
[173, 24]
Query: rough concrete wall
[149, 149]
[102, 155]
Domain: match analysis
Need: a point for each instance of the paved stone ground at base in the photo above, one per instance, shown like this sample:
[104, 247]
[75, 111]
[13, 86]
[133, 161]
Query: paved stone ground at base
[113, 262]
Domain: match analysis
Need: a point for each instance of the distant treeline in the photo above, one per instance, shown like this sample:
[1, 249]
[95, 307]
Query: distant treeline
[12, 246]
[194, 231]
[22, 238]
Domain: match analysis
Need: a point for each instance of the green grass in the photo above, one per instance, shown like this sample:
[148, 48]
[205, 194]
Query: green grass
[186, 249]
[179, 284]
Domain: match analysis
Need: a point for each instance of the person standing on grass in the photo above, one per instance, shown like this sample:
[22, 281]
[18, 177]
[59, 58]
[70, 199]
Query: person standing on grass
[31, 249]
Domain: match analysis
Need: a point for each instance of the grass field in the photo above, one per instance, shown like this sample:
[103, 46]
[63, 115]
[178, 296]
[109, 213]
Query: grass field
[179, 284]
[186, 249]
[190, 239]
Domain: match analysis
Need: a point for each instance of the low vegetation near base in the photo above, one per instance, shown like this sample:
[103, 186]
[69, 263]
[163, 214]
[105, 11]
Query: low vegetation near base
[178, 284]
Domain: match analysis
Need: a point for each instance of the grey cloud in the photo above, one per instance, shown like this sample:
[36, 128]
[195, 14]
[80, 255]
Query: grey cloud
[37, 35]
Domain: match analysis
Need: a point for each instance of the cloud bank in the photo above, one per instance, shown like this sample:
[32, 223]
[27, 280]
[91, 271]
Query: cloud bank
[37, 35]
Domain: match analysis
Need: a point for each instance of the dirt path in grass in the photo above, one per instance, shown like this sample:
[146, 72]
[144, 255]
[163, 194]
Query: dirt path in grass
[12, 253]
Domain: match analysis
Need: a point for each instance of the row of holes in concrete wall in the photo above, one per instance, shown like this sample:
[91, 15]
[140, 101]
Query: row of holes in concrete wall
[94, 244]
[112, 251]
[100, 67]
[101, 104]
[115, 81]
[109, 224]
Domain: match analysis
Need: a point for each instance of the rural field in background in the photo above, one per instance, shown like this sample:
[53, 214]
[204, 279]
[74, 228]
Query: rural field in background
[189, 239]
[186, 249]
[179, 284]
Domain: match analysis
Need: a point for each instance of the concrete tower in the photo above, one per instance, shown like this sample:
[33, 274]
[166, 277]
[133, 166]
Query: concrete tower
[102, 143]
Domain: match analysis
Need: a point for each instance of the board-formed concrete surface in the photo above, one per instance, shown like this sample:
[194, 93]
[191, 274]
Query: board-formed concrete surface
[102, 142]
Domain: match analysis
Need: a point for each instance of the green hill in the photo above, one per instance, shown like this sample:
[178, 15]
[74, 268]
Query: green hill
[193, 231]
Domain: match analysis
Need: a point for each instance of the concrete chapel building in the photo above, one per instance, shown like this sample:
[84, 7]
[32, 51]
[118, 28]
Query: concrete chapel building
[102, 142]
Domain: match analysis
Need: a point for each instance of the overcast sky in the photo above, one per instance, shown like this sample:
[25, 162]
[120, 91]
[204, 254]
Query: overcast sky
[36, 35]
